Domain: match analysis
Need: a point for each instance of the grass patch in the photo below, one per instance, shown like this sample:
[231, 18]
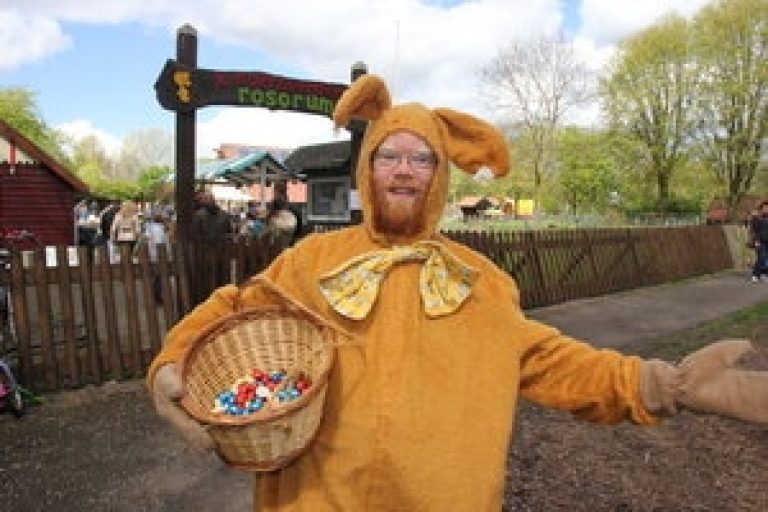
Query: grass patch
[749, 323]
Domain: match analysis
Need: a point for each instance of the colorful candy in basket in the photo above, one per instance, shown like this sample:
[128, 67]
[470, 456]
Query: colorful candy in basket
[261, 389]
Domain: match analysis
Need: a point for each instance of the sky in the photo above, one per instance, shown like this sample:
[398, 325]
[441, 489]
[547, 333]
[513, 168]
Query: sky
[92, 64]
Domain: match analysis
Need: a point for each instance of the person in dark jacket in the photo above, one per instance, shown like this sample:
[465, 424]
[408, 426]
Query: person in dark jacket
[106, 217]
[211, 227]
[210, 224]
[759, 233]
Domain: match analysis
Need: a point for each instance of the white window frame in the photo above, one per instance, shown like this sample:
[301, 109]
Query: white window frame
[343, 183]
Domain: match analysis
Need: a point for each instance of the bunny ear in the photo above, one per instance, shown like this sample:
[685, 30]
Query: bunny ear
[473, 145]
[366, 98]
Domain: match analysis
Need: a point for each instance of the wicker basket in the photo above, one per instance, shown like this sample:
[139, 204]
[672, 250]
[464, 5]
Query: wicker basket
[270, 339]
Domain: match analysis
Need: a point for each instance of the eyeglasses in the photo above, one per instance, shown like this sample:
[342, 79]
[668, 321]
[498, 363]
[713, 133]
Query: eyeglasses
[388, 160]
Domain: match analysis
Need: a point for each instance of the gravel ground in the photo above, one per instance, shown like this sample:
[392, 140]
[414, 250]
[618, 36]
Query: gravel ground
[104, 449]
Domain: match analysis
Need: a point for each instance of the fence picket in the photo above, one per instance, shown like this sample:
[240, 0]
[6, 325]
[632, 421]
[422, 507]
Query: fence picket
[21, 326]
[90, 324]
[113, 360]
[66, 305]
[44, 319]
[165, 277]
[150, 310]
[182, 270]
[132, 310]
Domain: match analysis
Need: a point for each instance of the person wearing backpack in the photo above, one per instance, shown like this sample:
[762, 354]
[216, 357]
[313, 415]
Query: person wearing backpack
[126, 227]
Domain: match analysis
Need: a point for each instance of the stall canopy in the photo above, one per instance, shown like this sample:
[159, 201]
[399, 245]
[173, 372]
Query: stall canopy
[255, 168]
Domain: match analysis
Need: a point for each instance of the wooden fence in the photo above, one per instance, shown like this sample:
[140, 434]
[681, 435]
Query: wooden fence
[81, 317]
[554, 266]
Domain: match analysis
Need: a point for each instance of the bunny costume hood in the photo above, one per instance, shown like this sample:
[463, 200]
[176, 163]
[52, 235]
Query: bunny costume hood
[469, 143]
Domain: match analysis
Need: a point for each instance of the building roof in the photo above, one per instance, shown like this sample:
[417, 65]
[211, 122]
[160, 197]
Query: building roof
[327, 155]
[470, 201]
[33, 151]
[229, 150]
[244, 170]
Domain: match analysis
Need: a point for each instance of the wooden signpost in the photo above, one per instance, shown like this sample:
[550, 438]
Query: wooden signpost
[183, 88]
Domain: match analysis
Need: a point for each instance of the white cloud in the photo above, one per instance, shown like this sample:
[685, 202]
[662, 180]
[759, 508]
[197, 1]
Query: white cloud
[28, 38]
[81, 128]
[610, 21]
[409, 42]
[425, 52]
[262, 127]
[594, 57]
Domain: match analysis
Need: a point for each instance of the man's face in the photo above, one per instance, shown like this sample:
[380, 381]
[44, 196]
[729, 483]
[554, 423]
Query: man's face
[403, 166]
[764, 210]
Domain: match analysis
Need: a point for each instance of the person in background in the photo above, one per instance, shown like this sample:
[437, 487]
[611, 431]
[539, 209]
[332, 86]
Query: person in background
[106, 218]
[419, 414]
[280, 222]
[239, 218]
[80, 211]
[87, 222]
[155, 235]
[211, 227]
[126, 227]
[254, 223]
[758, 226]
[210, 224]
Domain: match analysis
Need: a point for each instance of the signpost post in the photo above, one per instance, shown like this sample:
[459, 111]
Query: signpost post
[186, 53]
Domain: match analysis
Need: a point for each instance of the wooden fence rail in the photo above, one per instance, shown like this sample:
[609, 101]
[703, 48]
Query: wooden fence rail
[83, 317]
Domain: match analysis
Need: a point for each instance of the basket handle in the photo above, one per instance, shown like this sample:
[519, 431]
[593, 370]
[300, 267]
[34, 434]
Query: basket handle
[340, 336]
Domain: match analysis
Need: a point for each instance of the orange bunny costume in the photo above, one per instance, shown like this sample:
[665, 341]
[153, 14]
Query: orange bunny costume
[419, 415]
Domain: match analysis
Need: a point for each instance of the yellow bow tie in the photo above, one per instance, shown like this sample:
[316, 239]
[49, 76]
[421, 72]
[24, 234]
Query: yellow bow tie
[445, 282]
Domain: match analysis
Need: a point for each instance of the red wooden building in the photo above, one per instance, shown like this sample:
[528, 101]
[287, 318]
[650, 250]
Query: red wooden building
[37, 193]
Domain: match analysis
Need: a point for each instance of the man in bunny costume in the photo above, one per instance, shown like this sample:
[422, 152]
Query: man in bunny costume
[419, 415]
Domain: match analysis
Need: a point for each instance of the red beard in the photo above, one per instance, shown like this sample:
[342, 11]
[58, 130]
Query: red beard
[399, 208]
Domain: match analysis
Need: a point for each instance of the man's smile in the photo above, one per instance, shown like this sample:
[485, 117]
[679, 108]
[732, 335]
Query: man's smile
[403, 191]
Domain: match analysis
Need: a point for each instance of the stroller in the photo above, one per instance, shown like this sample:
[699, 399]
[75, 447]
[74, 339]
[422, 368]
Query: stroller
[11, 397]
[12, 394]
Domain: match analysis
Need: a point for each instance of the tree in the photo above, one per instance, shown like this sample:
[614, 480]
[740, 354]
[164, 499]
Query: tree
[152, 180]
[535, 84]
[731, 54]
[115, 189]
[90, 159]
[95, 167]
[19, 109]
[648, 94]
[588, 174]
[142, 150]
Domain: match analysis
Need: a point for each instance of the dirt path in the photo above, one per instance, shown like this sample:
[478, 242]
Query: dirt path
[635, 316]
